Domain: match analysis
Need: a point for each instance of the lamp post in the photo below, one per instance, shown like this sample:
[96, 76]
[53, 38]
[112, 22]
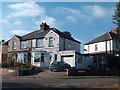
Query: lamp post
[106, 51]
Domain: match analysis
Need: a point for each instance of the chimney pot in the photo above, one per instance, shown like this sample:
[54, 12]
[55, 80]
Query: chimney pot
[44, 26]
[114, 31]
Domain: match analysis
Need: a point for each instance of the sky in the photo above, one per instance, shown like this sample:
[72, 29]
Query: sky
[84, 20]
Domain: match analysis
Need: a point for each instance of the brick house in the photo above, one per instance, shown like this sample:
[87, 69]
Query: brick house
[3, 51]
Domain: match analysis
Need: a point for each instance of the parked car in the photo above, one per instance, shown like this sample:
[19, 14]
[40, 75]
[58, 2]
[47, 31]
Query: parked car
[59, 66]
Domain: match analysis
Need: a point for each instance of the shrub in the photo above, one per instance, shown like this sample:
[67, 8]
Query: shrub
[10, 63]
[16, 64]
[4, 65]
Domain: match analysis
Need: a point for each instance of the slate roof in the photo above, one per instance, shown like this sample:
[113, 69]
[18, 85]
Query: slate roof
[35, 34]
[41, 34]
[63, 36]
[107, 36]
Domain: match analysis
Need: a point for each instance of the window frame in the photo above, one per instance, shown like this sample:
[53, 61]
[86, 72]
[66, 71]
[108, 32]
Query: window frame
[14, 46]
[39, 46]
[37, 57]
[25, 45]
[51, 39]
[23, 57]
[96, 47]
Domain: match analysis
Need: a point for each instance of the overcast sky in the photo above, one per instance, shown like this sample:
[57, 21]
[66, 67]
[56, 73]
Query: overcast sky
[85, 20]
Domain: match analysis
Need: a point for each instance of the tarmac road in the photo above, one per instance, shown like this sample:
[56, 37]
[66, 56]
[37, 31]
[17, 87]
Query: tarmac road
[49, 79]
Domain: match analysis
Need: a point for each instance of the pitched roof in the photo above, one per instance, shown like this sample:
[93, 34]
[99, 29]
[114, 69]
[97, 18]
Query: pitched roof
[61, 34]
[35, 34]
[41, 34]
[18, 36]
[104, 37]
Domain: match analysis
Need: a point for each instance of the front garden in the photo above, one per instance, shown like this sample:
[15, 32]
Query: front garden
[19, 69]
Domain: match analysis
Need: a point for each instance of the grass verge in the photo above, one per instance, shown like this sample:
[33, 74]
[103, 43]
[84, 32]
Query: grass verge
[87, 77]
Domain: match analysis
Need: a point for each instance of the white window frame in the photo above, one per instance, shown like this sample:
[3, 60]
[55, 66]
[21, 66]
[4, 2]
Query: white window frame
[22, 57]
[23, 44]
[39, 43]
[14, 45]
[96, 47]
[51, 40]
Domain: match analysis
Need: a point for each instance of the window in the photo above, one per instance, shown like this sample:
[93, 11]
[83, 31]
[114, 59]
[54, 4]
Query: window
[37, 57]
[22, 57]
[50, 41]
[23, 44]
[55, 56]
[39, 43]
[42, 57]
[50, 57]
[14, 45]
[116, 45]
[69, 45]
[96, 47]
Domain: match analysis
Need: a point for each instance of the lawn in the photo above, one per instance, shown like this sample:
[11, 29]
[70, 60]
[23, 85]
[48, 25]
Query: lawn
[87, 77]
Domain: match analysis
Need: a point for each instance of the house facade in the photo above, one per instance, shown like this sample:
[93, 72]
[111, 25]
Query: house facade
[102, 46]
[42, 46]
[3, 51]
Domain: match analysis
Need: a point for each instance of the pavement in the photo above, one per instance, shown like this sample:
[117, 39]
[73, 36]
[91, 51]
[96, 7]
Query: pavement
[48, 79]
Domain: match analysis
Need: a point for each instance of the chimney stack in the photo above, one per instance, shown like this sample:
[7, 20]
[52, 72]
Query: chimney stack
[44, 26]
[114, 31]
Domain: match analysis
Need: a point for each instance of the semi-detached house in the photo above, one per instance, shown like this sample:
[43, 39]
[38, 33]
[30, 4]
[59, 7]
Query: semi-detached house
[42, 46]
[102, 46]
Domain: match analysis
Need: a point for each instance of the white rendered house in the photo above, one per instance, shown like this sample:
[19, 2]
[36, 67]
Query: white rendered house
[102, 46]
[42, 46]
[106, 43]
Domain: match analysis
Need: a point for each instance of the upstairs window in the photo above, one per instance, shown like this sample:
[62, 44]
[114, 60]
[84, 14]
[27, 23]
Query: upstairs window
[51, 41]
[96, 47]
[14, 45]
[39, 43]
[23, 44]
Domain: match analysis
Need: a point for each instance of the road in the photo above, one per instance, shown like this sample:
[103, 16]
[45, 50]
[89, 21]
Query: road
[49, 79]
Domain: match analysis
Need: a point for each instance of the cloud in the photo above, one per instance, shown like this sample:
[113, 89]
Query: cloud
[28, 9]
[97, 11]
[49, 20]
[4, 21]
[18, 23]
[71, 18]
[20, 32]
[66, 10]
[85, 12]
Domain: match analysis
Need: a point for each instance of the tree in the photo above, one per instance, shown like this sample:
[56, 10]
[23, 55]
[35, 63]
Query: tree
[116, 18]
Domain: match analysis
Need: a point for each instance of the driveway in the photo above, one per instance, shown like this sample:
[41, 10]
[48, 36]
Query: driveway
[50, 74]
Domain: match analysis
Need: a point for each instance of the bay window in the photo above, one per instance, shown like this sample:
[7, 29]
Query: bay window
[22, 57]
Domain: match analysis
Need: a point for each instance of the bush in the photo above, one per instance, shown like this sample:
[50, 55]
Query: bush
[10, 63]
[113, 62]
[4, 65]
[16, 64]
